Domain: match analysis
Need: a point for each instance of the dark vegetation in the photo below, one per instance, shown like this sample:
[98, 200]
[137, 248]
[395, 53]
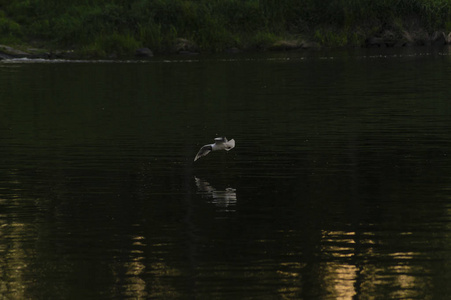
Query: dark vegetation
[102, 27]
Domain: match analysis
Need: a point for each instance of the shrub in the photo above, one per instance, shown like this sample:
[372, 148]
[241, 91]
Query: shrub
[212, 24]
[10, 31]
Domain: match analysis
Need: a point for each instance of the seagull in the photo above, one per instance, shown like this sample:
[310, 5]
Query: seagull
[221, 143]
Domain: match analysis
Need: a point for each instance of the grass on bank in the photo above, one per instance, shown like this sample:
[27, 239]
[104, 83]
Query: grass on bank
[103, 27]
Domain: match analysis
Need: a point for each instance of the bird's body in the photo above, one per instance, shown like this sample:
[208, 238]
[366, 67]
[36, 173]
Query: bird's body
[221, 143]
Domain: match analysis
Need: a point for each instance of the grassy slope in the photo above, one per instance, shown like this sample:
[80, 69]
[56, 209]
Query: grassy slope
[101, 27]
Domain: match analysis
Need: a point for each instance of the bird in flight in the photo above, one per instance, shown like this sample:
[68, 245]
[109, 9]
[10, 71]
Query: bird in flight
[221, 143]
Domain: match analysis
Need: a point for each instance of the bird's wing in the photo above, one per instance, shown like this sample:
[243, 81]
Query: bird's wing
[220, 140]
[230, 145]
[203, 151]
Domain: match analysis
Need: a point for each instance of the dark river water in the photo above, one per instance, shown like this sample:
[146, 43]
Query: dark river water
[339, 186]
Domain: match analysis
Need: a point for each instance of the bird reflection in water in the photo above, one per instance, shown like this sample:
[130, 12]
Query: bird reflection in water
[223, 199]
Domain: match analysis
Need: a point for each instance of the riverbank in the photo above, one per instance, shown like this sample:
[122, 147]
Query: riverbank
[385, 40]
[143, 28]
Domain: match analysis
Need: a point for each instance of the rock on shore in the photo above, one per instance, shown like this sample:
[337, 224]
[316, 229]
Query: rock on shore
[408, 38]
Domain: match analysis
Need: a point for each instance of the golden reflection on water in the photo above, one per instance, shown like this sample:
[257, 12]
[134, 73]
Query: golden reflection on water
[339, 280]
[350, 267]
[143, 279]
[13, 254]
[135, 284]
[289, 275]
[338, 243]
[347, 277]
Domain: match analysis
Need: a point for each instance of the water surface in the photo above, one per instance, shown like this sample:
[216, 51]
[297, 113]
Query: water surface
[339, 185]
